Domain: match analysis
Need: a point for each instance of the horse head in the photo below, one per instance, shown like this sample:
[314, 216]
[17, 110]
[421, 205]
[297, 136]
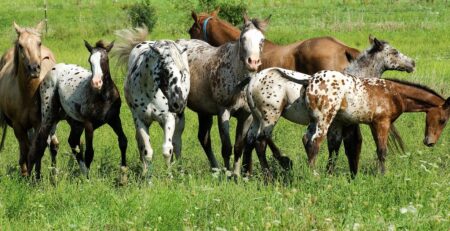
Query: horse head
[436, 119]
[173, 69]
[99, 62]
[198, 28]
[251, 42]
[28, 49]
[390, 57]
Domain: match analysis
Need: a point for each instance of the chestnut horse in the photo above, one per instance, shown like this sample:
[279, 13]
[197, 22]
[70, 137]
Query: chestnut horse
[22, 68]
[331, 96]
[307, 56]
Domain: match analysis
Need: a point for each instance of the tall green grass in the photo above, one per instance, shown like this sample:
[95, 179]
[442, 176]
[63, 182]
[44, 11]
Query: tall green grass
[413, 195]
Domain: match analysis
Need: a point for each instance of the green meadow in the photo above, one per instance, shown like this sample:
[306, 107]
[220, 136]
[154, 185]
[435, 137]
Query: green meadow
[413, 195]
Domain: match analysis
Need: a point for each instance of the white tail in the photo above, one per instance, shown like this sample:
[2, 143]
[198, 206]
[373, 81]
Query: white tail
[128, 39]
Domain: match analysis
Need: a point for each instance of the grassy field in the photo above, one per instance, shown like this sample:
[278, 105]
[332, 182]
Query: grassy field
[413, 195]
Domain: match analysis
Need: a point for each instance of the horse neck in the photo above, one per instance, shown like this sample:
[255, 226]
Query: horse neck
[365, 67]
[27, 85]
[417, 99]
[221, 33]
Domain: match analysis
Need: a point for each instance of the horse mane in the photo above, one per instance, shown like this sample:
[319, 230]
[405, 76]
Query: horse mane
[260, 24]
[416, 85]
[101, 44]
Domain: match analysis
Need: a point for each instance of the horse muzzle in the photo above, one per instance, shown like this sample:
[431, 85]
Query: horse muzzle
[427, 141]
[34, 70]
[97, 84]
[252, 64]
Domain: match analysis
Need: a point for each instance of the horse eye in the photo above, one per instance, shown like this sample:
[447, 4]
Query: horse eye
[442, 121]
[39, 44]
[20, 47]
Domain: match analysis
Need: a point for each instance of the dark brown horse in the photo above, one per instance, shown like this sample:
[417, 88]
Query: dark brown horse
[22, 68]
[89, 99]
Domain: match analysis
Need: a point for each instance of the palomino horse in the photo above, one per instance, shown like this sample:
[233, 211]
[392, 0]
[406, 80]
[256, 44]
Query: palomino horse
[215, 73]
[88, 100]
[156, 89]
[308, 56]
[277, 92]
[22, 68]
[330, 95]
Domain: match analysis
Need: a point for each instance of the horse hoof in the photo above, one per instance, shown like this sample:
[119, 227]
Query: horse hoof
[123, 176]
[286, 163]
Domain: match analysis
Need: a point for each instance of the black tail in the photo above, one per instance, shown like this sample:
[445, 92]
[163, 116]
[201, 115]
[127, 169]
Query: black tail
[395, 141]
[295, 80]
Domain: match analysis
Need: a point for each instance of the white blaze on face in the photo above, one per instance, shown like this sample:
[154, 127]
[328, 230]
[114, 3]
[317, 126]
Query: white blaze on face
[97, 73]
[251, 43]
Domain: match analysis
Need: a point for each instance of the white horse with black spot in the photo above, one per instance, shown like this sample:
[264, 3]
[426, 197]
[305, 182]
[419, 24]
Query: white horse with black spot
[156, 89]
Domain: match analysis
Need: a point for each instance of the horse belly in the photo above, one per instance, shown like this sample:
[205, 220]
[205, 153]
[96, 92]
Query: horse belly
[297, 113]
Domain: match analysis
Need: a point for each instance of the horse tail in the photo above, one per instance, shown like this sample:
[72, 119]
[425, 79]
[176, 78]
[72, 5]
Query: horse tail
[395, 141]
[128, 39]
[3, 126]
[295, 77]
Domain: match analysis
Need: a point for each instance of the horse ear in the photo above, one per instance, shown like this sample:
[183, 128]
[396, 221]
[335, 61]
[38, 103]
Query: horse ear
[17, 27]
[194, 16]
[88, 46]
[371, 39]
[447, 103]
[246, 18]
[264, 23]
[40, 26]
[110, 46]
[215, 12]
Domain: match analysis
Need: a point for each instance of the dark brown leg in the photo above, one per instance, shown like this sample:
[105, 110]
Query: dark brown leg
[224, 131]
[204, 136]
[89, 136]
[284, 161]
[260, 146]
[352, 144]
[380, 131]
[116, 125]
[334, 137]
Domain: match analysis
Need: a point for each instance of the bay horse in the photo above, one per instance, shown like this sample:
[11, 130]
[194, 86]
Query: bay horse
[22, 69]
[308, 56]
[87, 100]
[333, 96]
[156, 89]
[276, 92]
[215, 73]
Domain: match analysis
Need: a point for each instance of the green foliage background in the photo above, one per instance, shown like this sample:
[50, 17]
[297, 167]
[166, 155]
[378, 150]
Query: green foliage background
[413, 195]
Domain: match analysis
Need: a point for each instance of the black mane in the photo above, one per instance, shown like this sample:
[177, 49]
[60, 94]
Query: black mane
[416, 85]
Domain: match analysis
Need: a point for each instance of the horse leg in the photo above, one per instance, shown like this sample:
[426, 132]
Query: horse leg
[179, 128]
[260, 146]
[284, 161]
[89, 136]
[242, 128]
[380, 130]
[168, 124]
[224, 131]
[53, 144]
[76, 129]
[22, 137]
[204, 136]
[252, 133]
[143, 140]
[334, 137]
[116, 124]
[352, 144]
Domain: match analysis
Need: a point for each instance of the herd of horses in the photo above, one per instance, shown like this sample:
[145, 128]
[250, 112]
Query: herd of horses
[221, 71]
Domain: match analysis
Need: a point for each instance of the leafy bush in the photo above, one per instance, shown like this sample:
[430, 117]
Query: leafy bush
[229, 10]
[232, 12]
[142, 13]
